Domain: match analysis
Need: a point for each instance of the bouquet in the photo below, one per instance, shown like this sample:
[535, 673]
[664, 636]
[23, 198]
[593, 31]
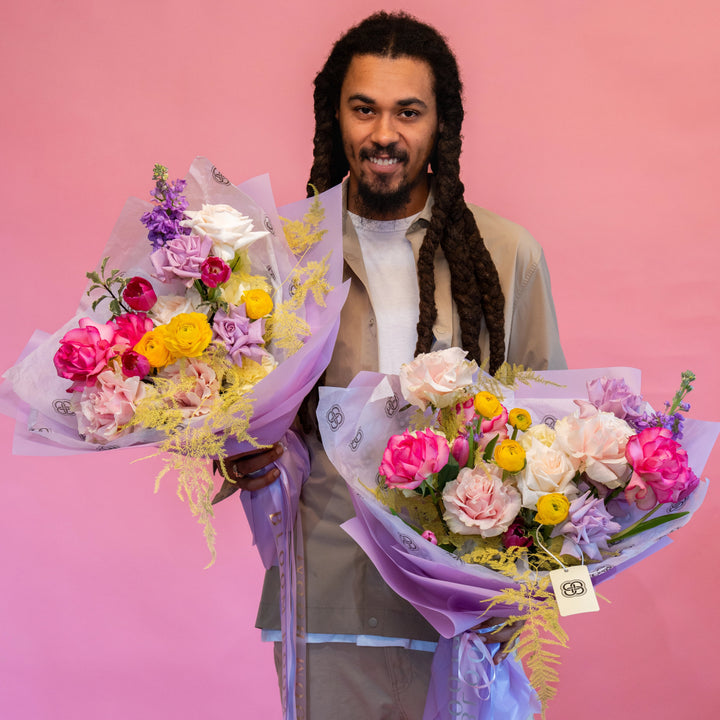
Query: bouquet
[487, 488]
[200, 332]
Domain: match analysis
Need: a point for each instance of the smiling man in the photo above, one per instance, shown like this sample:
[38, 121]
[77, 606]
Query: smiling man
[427, 271]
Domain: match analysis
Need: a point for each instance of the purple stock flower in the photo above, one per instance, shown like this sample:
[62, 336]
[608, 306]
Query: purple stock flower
[613, 395]
[241, 336]
[181, 257]
[163, 221]
[587, 528]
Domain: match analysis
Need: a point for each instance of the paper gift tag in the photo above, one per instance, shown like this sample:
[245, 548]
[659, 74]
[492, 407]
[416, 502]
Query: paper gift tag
[574, 590]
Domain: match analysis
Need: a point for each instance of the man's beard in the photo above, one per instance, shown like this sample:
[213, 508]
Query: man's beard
[379, 199]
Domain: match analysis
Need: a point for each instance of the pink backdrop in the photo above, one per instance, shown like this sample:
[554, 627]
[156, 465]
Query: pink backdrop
[593, 124]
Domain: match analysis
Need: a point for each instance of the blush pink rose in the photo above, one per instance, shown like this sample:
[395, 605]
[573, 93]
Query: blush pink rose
[595, 444]
[85, 351]
[438, 378]
[105, 408]
[660, 469]
[412, 457]
[478, 503]
[139, 294]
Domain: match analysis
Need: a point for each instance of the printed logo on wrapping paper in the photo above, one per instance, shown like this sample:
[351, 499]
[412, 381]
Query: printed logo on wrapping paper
[218, 177]
[107, 447]
[675, 506]
[574, 590]
[550, 421]
[600, 570]
[268, 225]
[335, 417]
[379, 480]
[408, 542]
[270, 272]
[392, 405]
[292, 289]
[355, 442]
[62, 407]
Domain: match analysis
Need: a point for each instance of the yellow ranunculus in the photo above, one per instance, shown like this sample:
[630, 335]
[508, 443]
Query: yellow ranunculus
[552, 508]
[257, 304]
[188, 334]
[520, 419]
[152, 346]
[510, 455]
[487, 405]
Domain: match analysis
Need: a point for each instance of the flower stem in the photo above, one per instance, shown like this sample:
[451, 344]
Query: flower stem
[619, 536]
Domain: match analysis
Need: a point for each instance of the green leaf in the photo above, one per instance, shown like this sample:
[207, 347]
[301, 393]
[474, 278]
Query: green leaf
[97, 302]
[448, 473]
[487, 455]
[93, 276]
[647, 525]
[115, 307]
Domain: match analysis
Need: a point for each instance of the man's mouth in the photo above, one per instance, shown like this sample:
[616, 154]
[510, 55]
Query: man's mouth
[384, 161]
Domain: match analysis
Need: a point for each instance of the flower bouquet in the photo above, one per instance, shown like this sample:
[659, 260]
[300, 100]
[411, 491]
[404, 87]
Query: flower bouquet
[486, 490]
[200, 332]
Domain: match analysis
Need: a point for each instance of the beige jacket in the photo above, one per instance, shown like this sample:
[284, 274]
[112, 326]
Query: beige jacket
[345, 594]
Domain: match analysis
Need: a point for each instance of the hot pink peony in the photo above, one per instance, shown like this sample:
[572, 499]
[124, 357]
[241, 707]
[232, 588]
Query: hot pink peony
[85, 351]
[412, 457]
[478, 503]
[660, 469]
[130, 328]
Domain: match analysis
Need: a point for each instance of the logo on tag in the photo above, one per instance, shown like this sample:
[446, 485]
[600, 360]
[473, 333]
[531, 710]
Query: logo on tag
[574, 590]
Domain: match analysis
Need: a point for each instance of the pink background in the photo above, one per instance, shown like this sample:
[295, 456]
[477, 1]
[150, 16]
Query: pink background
[593, 124]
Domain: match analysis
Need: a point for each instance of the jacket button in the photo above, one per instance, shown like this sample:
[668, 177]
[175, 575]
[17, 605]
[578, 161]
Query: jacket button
[372, 622]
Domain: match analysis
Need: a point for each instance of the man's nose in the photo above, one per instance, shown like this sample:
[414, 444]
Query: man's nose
[384, 131]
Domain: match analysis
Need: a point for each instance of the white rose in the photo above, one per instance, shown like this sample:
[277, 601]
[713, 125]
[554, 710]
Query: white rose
[168, 306]
[228, 229]
[595, 445]
[438, 378]
[547, 470]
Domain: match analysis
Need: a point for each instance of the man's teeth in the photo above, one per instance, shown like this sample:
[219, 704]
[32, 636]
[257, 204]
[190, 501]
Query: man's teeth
[384, 161]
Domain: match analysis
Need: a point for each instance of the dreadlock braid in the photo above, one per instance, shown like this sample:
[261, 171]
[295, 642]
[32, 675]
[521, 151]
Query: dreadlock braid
[475, 285]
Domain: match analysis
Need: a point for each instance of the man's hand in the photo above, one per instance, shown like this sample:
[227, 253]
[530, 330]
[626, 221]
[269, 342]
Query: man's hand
[247, 471]
[504, 636]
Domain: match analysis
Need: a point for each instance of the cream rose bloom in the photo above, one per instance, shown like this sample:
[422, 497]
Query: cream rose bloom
[595, 445]
[168, 306]
[541, 433]
[228, 229]
[438, 378]
[547, 470]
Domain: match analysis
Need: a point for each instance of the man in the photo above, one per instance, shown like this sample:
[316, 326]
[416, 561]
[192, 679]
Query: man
[427, 272]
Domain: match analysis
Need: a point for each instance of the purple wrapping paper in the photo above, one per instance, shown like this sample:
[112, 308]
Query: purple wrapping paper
[452, 595]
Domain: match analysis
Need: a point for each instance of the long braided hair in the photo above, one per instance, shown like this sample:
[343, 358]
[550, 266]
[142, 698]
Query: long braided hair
[475, 285]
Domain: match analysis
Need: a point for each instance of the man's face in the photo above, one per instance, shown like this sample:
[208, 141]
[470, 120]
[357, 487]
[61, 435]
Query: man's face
[388, 121]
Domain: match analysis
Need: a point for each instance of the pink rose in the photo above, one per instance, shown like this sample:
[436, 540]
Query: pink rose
[104, 409]
[439, 378]
[130, 328]
[466, 411]
[214, 272]
[478, 503]
[595, 444]
[139, 294]
[660, 469]
[85, 351]
[412, 457]
[199, 386]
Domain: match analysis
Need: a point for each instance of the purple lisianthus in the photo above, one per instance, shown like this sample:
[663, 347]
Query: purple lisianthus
[587, 529]
[613, 395]
[241, 336]
[181, 257]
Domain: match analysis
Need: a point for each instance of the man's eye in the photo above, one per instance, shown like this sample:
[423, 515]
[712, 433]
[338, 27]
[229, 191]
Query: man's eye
[362, 110]
[409, 113]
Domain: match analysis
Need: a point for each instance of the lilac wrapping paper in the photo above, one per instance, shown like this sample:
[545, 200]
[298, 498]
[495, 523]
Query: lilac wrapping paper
[452, 595]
